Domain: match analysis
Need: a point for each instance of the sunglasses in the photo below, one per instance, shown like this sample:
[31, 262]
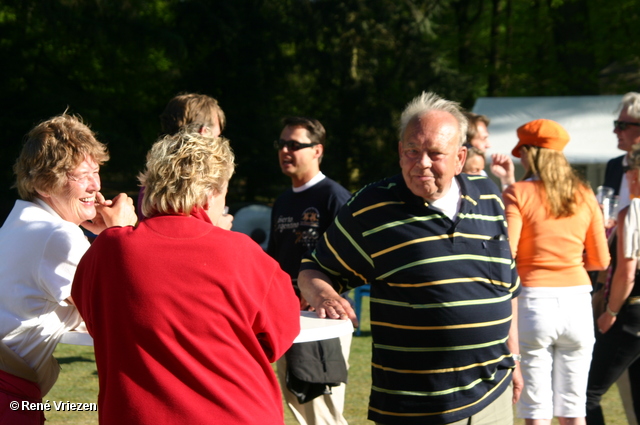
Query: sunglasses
[291, 145]
[623, 125]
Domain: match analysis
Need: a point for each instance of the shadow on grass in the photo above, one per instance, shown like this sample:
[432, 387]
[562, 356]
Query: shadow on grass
[73, 359]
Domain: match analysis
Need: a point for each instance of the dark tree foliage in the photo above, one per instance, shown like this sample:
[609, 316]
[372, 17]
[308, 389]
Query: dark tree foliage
[351, 64]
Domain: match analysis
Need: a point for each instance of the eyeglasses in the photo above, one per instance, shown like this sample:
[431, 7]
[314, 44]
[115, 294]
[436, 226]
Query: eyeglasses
[84, 178]
[291, 145]
[623, 125]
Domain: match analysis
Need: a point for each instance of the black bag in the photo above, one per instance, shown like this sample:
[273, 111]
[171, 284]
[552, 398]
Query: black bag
[314, 367]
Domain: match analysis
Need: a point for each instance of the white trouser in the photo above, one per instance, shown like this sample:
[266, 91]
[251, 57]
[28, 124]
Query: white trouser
[556, 341]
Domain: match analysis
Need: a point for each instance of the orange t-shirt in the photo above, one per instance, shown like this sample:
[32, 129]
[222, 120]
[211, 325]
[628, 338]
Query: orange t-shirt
[554, 252]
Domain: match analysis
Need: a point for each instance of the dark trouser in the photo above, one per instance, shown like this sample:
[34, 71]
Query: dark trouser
[634, 383]
[613, 352]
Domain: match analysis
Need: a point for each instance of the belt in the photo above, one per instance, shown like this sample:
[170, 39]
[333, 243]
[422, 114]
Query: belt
[13, 364]
[633, 300]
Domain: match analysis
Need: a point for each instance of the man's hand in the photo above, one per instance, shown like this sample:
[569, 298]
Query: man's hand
[110, 213]
[518, 383]
[316, 289]
[335, 307]
[513, 343]
[502, 167]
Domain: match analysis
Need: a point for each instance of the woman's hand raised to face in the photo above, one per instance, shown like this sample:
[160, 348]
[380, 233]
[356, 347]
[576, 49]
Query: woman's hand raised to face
[116, 212]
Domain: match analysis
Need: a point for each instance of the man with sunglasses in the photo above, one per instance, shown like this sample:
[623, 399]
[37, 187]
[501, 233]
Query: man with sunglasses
[627, 130]
[299, 217]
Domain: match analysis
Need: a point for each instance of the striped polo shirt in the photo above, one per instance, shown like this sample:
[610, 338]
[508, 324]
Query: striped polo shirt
[441, 294]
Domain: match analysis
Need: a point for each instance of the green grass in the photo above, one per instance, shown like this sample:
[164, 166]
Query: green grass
[78, 382]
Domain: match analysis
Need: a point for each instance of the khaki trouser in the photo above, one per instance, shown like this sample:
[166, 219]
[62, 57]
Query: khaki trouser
[500, 412]
[323, 410]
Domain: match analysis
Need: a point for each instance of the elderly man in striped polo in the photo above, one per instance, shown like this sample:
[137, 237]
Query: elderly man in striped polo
[433, 244]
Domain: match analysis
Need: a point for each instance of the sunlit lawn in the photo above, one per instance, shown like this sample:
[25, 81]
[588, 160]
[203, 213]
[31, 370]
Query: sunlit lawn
[78, 383]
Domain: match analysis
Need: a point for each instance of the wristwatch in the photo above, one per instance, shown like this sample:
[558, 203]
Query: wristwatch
[612, 313]
[517, 357]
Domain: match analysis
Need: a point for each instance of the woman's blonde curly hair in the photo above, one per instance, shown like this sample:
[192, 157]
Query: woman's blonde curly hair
[183, 170]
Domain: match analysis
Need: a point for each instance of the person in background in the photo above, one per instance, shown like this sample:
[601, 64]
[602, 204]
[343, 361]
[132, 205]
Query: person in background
[298, 219]
[502, 167]
[617, 344]
[186, 317]
[41, 243]
[556, 234]
[627, 131]
[478, 137]
[477, 131]
[433, 244]
[204, 115]
[188, 108]
[474, 164]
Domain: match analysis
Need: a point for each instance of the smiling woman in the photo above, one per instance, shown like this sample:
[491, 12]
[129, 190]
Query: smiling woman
[41, 245]
[75, 202]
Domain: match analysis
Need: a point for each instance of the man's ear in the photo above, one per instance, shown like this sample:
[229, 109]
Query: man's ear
[462, 158]
[319, 150]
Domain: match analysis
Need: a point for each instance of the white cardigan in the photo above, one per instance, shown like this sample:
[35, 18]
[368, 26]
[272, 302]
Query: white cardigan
[632, 230]
[39, 254]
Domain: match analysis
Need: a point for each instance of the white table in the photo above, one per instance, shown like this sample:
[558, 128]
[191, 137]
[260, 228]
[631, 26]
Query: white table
[76, 337]
[312, 328]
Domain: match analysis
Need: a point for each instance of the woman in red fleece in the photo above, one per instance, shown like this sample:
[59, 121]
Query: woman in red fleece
[186, 317]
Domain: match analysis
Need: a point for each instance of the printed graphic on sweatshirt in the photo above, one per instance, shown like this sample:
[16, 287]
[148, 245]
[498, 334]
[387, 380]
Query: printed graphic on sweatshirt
[305, 228]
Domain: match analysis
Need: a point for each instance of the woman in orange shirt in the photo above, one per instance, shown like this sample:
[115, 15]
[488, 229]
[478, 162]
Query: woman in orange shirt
[556, 234]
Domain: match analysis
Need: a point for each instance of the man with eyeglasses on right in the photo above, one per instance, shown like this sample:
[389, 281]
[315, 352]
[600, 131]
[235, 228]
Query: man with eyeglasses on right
[627, 130]
[299, 217]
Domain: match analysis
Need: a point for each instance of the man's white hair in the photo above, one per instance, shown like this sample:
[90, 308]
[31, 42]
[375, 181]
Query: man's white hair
[428, 102]
[631, 104]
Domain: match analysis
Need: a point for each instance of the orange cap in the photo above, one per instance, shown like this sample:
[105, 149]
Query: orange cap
[543, 133]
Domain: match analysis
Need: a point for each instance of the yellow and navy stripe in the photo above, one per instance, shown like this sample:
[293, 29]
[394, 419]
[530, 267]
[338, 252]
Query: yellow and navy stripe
[440, 297]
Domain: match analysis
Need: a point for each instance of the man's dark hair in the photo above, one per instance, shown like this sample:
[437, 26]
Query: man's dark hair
[317, 133]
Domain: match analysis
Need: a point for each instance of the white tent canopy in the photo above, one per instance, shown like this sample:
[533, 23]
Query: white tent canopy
[587, 119]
